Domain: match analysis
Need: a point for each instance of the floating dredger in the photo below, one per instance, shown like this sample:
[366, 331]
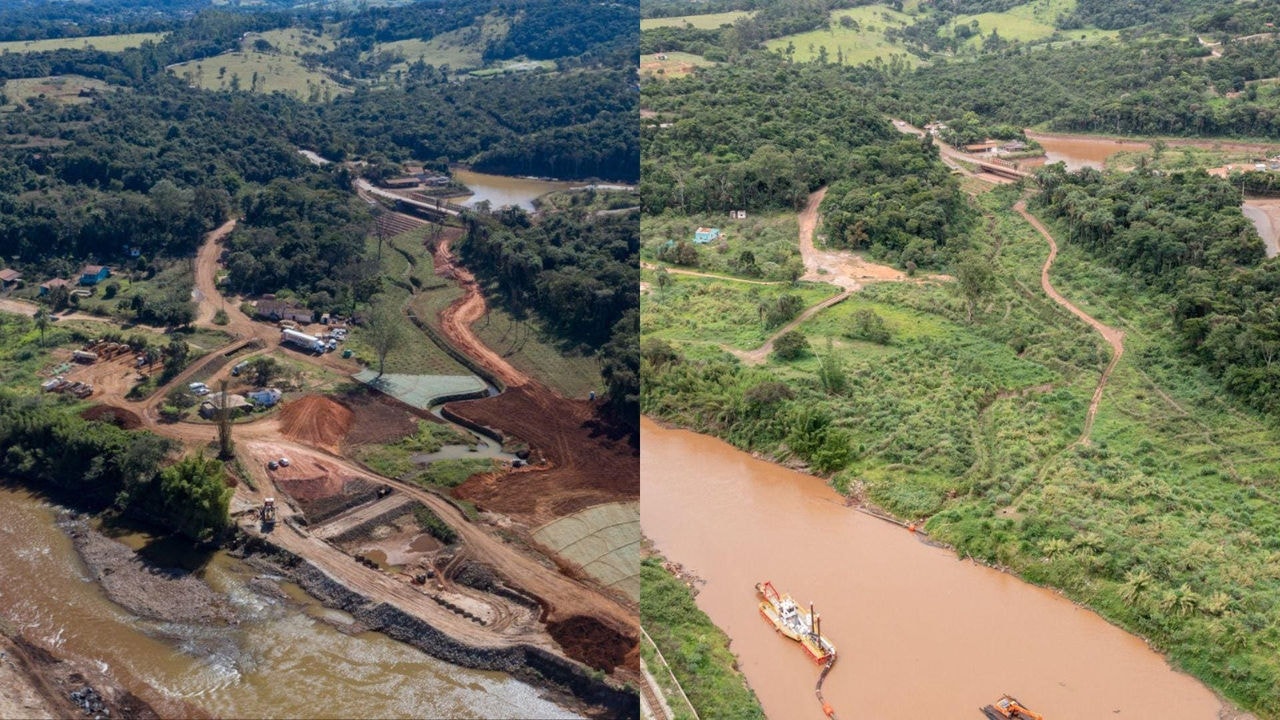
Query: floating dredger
[791, 620]
[804, 627]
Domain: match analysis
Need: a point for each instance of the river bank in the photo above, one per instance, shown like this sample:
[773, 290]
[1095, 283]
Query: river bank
[571, 684]
[905, 616]
[36, 683]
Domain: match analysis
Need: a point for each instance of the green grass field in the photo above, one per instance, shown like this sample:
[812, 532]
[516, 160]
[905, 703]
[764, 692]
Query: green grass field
[1027, 23]
[274, 71]
[697, 650]
[60, 88]
[706, 316]
[107, 43]
[854, 41]
[525, 346]
[770, 240]
[460, 49]
[291, 41]
[705, 22]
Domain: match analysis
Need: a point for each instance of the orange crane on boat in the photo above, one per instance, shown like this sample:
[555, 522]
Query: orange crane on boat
[1008, 708]
[789, 619]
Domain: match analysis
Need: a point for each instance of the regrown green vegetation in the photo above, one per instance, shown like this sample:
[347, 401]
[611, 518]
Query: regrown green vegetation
[1165, 523]
[697, 650]
[97, 466]
[439, 529]
[395, 459]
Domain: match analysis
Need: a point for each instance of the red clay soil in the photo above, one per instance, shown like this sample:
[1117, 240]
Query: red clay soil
[377, 418]
[315, 420]
[121, 418]
[587, 465]
[592, 642]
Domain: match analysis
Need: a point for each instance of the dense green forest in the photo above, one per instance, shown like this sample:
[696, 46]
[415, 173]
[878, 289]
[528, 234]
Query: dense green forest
[100, 466]
[729, 145]
[1184, 235]
[1167, 87]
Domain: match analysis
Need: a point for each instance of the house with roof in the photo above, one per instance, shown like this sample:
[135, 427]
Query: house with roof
[989, 146]
[49, 285]
[9, 278]
[704, 235]
[94, 274]
[267, 397]
[235, 403]
[277, 310]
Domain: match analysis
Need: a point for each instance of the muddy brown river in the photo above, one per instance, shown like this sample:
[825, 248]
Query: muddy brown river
[920, 634]
[1081, 152]
[283, 661]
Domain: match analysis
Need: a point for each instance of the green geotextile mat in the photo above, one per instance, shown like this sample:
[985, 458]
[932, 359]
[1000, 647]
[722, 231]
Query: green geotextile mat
[422, 391]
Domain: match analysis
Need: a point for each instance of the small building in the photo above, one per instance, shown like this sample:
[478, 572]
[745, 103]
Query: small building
[704, 235]
[9, 278]
[982, 147]
[235, 403]
[266, 398]
[1013, 146]
[737, 214]
[403, 182]
[49, 285]
[280, 310]
[94, 274]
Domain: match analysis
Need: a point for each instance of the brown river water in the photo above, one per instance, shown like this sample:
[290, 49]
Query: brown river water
[1080, 152]
[283, 661]
[920, 633]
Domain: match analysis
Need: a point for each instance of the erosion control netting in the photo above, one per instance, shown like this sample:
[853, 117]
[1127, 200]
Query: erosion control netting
[423, 391]
[604, 540]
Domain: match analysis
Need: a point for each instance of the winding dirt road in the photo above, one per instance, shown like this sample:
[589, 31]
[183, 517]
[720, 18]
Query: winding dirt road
[458, 317]
[1113, 337]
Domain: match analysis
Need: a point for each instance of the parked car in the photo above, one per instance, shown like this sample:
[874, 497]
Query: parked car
[272, 465]
[284, 462]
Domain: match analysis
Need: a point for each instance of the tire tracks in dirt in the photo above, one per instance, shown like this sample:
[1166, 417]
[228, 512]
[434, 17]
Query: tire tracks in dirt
[1112, 336]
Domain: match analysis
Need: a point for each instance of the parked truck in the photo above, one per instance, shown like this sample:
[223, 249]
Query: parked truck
[302, 340]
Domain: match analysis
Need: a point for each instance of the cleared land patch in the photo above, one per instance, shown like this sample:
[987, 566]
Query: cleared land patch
[852, 36]
[672, 64]
[68, 89]
[604, 540]
[106, 43]
[704, 22]
[273, 71]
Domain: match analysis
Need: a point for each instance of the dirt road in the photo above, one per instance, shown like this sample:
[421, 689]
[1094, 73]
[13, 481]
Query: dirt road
[456, 320]
[713, 276]
[758, 356]
[1114, 337]
[208, 299]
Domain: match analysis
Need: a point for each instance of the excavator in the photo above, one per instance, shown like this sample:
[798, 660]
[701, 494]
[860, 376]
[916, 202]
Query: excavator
[1008, 708]
[268, 514]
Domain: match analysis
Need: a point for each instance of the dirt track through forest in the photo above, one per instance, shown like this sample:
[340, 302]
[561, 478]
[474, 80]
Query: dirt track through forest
[1113, 337]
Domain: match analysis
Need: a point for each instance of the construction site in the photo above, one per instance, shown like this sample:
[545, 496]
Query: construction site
[531, 568]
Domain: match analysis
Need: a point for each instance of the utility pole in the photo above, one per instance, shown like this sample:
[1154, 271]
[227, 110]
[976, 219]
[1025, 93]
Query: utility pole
[223, 418]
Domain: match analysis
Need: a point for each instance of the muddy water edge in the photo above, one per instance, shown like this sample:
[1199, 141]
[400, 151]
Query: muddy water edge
[501, 190]
[919, 632]
[286, 656]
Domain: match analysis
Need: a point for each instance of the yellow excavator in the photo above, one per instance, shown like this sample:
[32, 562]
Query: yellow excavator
[1008, 708]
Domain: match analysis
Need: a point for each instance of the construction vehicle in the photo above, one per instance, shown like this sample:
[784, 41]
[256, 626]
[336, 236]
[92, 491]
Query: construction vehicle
[1008, 708]
[268, 513]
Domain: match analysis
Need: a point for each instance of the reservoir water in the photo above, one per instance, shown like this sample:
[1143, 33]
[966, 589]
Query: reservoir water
[920, 633]
[502, 190]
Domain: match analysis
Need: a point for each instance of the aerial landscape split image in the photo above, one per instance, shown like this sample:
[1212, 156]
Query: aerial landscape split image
[661, 359]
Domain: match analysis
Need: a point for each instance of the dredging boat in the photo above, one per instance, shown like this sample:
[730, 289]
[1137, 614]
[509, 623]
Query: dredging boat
[794, 622]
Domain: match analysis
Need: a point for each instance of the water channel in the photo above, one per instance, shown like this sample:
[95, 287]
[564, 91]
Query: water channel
[285, 660]
[920, 633]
